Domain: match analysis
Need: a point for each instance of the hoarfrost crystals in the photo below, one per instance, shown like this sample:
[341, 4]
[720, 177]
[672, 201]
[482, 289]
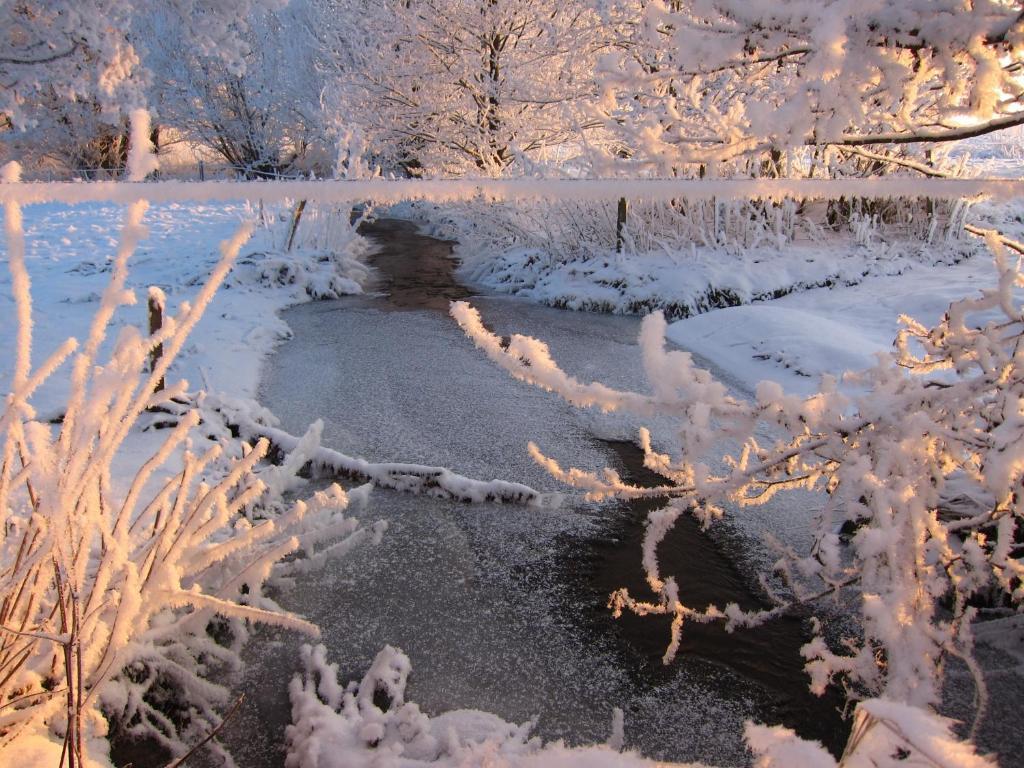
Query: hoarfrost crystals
[142, 159]
[940, 420]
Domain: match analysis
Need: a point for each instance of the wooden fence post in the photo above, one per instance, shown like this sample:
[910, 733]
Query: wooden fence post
[295, 222]
[156, 322]
[620, 224]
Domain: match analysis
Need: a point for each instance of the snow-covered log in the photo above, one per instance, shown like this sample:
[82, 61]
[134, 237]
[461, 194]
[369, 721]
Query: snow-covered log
[410, 478]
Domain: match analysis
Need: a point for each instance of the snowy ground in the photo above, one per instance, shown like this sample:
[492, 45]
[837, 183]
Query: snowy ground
[797, 338]
[69, 253]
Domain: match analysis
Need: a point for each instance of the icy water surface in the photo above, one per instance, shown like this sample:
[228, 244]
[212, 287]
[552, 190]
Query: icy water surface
[502, 608]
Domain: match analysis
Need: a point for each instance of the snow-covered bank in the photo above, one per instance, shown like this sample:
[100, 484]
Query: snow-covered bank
[689, 258]
[686, 284]
[799, 337]
[69, 254]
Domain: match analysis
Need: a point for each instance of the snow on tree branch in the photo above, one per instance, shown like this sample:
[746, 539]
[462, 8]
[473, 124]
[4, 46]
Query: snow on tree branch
[96, 51]
[699, 82]
[455, 86]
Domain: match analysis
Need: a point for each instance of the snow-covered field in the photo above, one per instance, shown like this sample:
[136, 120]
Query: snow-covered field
[70, 249]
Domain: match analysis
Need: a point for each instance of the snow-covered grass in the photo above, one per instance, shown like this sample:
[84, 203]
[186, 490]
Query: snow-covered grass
[691, 257]
[705, 278]
[485, 190]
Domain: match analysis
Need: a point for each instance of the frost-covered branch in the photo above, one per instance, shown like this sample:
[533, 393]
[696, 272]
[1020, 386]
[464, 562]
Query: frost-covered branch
[61, 54]
[710, 82]
[410, 478]
[110, 594]
[933, 424]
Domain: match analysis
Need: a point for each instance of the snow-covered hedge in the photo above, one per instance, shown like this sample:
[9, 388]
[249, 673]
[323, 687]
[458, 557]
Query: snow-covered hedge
[691, 256]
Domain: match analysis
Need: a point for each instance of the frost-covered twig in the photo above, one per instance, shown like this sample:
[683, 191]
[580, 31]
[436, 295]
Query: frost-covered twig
[211, 735]
[939, 420]
[107, 595]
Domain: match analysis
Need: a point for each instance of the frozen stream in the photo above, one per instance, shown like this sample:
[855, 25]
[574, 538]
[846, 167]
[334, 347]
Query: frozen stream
[501, 608]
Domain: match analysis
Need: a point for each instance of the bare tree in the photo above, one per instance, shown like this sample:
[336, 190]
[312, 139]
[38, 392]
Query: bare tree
[462, 85]
[261, 118]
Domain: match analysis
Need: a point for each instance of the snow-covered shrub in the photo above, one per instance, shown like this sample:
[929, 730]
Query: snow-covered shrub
[325, 262]
[922, 466]
[111, 590]
[370, 723]
[563, 232]
[573, 231]
[316, 276]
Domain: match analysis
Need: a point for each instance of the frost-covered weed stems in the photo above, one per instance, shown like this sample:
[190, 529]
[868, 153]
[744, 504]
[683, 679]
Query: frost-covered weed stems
[108, 594]
[552, 250]
[925, 468]
[573, 231]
